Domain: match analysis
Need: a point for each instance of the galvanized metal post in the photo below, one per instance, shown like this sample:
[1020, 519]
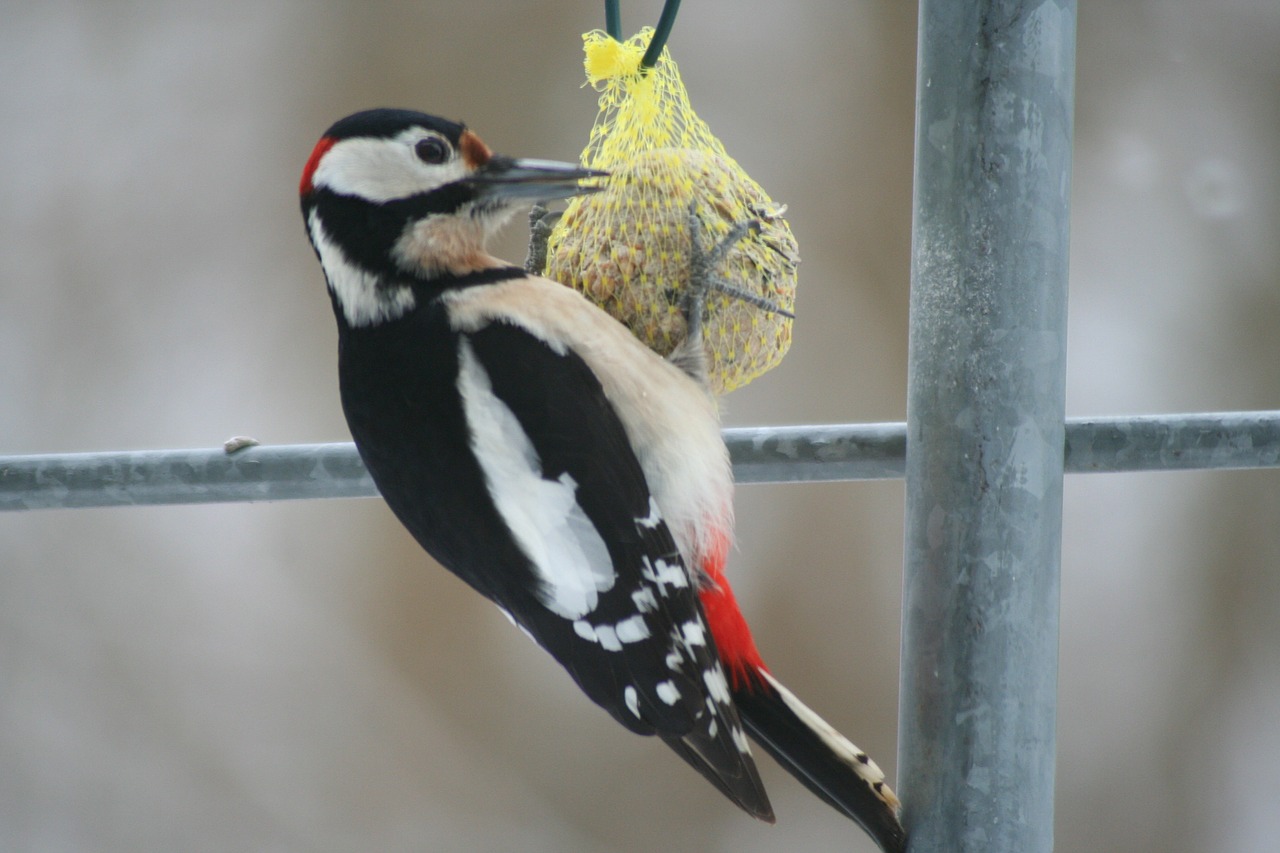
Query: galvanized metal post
[985, 416]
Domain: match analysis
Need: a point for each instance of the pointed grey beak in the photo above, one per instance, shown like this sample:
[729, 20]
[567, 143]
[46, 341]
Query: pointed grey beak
[508, 179]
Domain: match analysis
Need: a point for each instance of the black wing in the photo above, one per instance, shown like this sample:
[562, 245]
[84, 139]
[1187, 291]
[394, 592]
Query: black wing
[665, 681]
[403, 386]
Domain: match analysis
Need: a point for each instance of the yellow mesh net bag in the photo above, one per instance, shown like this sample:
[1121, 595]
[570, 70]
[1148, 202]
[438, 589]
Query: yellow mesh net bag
[628, 247]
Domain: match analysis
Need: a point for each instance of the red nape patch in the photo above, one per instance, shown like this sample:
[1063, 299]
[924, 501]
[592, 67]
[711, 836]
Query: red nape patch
[474, 152]
[309, 170]
[728, 626]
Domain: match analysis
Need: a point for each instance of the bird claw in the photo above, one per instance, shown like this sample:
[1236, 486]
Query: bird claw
[541, 223]
[691, 354]
[703, 278]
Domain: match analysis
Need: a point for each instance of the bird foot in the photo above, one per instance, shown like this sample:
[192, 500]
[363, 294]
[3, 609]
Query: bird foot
[541, 223]
[703, 276]
[690, 355]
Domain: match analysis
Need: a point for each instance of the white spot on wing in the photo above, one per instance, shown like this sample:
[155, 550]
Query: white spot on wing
[632, 630]
[632, 699]
[644, 600]
[653, 519]
[664, 573]
[543, 515]
[668, 692]
[611, 637]
[717, 686]
[608, 638]
[694, 634]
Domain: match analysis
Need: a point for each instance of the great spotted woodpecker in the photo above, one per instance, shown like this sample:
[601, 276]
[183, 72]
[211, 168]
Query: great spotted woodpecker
[540, 452]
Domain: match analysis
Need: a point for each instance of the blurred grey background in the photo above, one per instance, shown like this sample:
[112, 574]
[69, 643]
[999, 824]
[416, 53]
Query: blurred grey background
[300, 677]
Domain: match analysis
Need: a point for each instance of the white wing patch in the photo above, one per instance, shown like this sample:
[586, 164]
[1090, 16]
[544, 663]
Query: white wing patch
[543, 515]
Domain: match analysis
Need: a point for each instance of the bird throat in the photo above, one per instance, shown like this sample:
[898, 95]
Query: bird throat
[447, 245]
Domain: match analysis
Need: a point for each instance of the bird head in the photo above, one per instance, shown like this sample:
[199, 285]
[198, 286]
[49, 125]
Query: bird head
[394, 198]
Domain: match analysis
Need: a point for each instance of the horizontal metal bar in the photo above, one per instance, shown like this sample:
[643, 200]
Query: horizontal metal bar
[147, 477]
[807, 454]
[1093, 445]
[1216, 440]
[760, 455]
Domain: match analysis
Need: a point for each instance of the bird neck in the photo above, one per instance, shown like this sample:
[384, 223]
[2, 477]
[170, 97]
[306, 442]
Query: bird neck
[445, 246]
[378, 300]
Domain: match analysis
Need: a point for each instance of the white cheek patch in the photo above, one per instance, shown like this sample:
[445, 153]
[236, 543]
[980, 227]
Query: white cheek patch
[382, 170]
[544, 516]
[363, 301]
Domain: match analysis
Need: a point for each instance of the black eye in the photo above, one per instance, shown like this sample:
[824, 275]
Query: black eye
[431, 149]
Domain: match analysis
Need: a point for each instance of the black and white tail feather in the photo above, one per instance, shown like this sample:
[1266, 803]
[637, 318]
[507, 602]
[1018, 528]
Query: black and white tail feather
[821, 758]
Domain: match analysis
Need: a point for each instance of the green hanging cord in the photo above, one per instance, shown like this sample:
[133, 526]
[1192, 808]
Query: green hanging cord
[660, 33]
[612, 20]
